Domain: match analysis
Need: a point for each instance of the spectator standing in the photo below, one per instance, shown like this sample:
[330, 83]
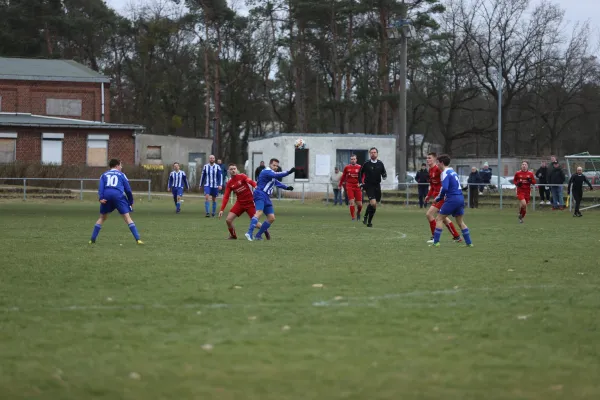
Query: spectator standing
[556, 177]
[223, 174]
[474, 182]
[486, 176]
[542, 177]
[259, 170]
[422, 178]
[334, 180]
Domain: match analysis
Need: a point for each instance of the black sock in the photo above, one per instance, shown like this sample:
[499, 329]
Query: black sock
[371, 214]
[368, 212]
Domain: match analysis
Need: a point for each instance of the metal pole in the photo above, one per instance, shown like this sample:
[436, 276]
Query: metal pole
[302, 192]
[401, 141]
[407, 194]
[81, 190]
[327, 198]
[469, 195]
[24, 188]
[149, 190]
[500, 133]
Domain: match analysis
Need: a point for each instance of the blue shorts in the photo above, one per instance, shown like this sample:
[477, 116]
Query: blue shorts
[177, 192]
[453, 207]
[117, 202]
[263, 203]
[212, 191]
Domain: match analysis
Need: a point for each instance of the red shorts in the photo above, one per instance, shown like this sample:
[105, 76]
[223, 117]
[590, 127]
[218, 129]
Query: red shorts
[524, 196]
[238, 209]
[438, 204]
[354, 193]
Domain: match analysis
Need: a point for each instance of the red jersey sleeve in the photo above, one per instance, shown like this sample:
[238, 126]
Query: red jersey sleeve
[249, 181]
[226, 195]
[343, 178]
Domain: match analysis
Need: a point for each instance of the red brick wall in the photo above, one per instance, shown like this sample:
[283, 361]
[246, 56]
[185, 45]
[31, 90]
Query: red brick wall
[31, 96]
[121, 144]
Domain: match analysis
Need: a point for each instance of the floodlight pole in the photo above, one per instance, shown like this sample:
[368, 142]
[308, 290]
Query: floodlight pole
[500, 133]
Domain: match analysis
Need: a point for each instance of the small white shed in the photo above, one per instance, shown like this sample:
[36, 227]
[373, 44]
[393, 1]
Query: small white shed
[323, 152]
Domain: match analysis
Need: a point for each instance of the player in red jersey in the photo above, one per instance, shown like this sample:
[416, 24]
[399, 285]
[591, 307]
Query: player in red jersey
[350, 178]
[435, 186]
[239, 184]
[524, 179]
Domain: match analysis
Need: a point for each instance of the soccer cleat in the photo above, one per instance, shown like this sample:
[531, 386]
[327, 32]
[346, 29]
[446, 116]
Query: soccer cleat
[139, 242]
[207, 215]
[232, 238]
[542, 203]
[248, 236]
[259, 238]
[457, 239]
[369, 225]
[177, 211]
[430, 240]
[92, 242]
[353, 219]
[267, 235]
[520, 219]
[358, 216]
[469, 245]
[213, 215]
[435, 244]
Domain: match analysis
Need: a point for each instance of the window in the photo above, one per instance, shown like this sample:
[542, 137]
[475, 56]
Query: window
[153, 153]
[97, 150]
[343, 157]
[8, 147]
[52, 148]
[63, 107]
[301, 163]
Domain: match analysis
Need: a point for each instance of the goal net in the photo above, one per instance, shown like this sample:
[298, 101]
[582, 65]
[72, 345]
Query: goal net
[591, 169]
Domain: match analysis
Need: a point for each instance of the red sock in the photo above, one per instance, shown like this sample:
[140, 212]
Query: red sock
[359, 208]
[352, 212]
[523, 211]
[432, 226]
[232, 232]
[452, 229]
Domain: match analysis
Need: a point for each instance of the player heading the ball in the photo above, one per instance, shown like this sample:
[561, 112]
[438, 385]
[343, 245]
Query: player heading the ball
[267, 180]
[454, 202]
[114, 193]
[241, 185]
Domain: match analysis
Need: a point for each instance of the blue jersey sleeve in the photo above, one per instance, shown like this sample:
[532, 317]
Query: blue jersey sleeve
[185, 181]
[280, 185]
[220, 176]
[101, 186]
[203, 176]
[282, 174]
[170, 184]
[445, 183]
[127, 189]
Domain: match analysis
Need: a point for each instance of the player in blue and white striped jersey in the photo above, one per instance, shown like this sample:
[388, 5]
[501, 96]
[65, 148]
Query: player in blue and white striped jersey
[212, 181]
[177, 183]
[267, 180]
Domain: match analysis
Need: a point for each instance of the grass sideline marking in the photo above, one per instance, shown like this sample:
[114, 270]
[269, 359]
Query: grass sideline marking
[363, 301]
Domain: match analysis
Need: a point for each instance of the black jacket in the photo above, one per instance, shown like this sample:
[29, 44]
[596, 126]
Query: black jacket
[486, 175]
[258, 171]
[373, 173]
[422, 176]
[474, 178]
[576, 183]
[542, 175]
[556, 176]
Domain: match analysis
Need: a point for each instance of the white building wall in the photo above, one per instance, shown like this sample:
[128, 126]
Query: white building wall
[282, 148]
[173, 148]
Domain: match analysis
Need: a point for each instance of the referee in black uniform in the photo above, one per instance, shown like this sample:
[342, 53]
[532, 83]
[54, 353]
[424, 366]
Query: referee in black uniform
[370, 176]
[576, 189]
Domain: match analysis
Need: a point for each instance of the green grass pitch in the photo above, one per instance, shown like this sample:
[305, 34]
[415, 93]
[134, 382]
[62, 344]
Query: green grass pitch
[328, 309]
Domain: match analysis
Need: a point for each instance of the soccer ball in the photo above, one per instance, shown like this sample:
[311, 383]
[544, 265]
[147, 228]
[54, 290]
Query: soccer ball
[299, 144]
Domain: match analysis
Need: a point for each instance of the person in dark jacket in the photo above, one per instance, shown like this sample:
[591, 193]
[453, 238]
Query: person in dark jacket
[259, 170]
[422, 178]
[542, 180]
[576, 187]
[486, 176]
[556, 177]
[475, 183]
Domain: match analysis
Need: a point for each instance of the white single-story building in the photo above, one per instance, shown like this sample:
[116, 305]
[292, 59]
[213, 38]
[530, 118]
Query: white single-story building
[322, 153]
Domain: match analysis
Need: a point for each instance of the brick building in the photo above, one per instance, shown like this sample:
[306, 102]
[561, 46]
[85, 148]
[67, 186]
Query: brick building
[55, 111]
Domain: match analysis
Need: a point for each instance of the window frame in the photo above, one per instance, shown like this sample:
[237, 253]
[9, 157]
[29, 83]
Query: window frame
[95, 138]
[11, 136]
[53, 137]
[159, 153]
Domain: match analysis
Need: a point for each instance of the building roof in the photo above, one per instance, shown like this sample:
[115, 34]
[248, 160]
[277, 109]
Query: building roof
[16, 120]
[324, 135]
[33, 69]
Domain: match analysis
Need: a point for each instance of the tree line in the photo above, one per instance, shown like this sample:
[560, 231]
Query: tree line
[199, 67]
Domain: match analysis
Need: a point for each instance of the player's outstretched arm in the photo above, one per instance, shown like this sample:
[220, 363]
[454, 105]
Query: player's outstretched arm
[282, 185]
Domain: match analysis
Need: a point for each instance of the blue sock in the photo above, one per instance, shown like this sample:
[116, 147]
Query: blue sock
[97, 228]
[467, 235]
[178, 205]
[134, 231]
[214, 207]
[206, 203]
[437, 234]
[253, 223]
[265, 225]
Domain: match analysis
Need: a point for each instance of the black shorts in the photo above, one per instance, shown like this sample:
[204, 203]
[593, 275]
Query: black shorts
[373, 192]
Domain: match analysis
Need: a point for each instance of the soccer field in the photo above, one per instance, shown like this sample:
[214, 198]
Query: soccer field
[328, 309]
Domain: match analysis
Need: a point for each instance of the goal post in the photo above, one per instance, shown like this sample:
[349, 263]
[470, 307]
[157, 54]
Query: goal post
[591, 169]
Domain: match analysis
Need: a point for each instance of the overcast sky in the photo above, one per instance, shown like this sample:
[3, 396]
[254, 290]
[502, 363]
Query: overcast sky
[576, 10]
